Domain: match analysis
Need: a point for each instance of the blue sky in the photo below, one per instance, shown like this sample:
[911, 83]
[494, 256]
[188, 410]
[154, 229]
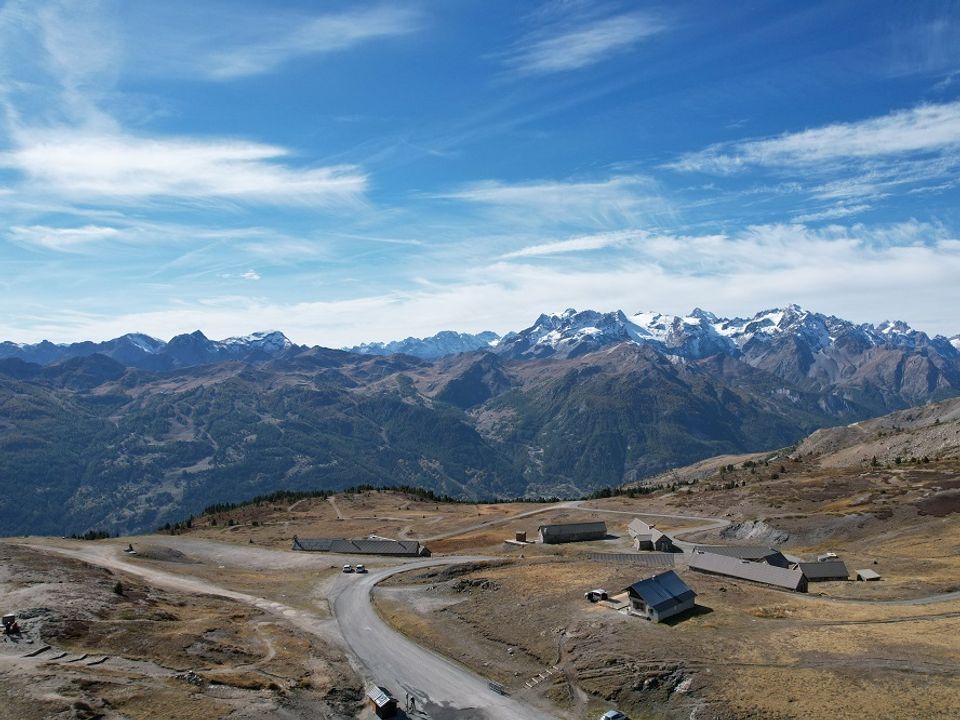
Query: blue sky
[352, 171]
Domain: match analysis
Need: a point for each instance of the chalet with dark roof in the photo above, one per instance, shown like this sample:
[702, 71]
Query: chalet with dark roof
[661, 596]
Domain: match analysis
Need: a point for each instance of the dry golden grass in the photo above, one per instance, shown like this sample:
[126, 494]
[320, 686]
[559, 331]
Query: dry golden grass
[798, 693]
[749, 638]
[383, 513]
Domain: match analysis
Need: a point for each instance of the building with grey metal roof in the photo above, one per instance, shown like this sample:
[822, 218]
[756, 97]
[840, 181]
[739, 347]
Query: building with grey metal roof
[868, 575]
[824, 570]
[753, 553]
[572, 532]
[368, 546]
[661, 596]
[760, 572]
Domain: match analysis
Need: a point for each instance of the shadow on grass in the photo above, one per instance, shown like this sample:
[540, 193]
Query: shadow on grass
[695, 611]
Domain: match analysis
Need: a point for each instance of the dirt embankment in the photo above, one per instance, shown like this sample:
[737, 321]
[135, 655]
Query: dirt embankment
[121, 648]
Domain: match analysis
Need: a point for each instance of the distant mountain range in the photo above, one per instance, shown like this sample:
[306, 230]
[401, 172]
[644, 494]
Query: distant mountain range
[133, 432]
[568, 334]
[148, 353]
[440, 345]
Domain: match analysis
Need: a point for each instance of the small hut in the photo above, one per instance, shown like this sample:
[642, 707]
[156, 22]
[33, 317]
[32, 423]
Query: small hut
[383, 704]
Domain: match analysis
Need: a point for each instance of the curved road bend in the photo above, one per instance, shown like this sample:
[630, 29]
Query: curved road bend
[443, 688]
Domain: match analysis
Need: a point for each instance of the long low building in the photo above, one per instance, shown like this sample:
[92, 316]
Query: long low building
[760, 572]
[346, 546]
[754, 553]
[572, 532]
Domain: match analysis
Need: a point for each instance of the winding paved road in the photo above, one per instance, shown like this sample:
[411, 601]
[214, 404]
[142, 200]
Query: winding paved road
[442, 687]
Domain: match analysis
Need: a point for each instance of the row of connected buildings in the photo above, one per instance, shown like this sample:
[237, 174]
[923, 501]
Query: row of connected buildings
[768, 566]
[366, 546]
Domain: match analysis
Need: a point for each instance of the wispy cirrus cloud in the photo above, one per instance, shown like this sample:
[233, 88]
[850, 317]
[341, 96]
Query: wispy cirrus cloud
[63, 144]
[62, 239]
[931, 128]
[613, 200]
[255, 50]
[579, 43]
[123, 167]
[583, 243]
[840, 210]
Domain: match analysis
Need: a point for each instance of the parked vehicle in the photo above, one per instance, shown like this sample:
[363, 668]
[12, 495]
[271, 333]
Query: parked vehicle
[361, 569]
[596, 595]
[348, 568]
[613, 715]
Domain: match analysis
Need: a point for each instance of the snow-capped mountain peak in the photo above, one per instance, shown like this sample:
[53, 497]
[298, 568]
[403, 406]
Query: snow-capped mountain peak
[701, 333]
[270, 341]
[897, 327]
[146, 343]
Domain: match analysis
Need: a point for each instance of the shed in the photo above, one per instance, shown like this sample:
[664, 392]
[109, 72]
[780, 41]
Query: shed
[572, 532]
[753, 553]
[648, 537]
[382, 703]
[867, 574]
[656, 540]
[716, 564]
[661, 596]
[824, 570]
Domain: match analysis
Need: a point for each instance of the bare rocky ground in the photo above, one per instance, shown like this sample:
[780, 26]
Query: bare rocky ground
[136, 651]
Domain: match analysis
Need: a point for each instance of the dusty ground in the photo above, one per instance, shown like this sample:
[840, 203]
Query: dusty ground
[354, 515]
[145, 652]
[443, 527]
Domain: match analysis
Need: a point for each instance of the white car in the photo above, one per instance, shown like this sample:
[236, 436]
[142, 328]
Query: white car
[361, 569]
[348, 568]
[613, 715]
